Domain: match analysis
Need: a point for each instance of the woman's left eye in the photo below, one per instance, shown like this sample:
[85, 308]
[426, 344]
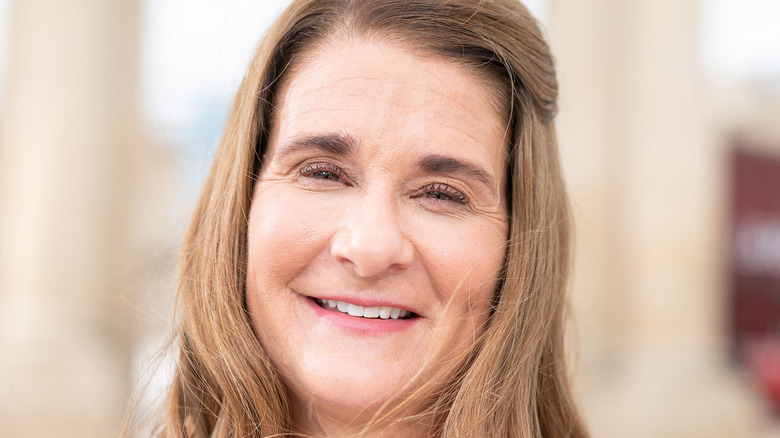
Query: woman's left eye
[441, 192]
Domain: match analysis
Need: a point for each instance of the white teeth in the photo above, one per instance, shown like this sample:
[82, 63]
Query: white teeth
[355, 310]
[381, 312]
[371, 312]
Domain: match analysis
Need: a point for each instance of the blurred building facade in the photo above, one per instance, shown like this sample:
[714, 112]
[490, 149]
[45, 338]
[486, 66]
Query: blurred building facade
[646, 139]
[69, 156]
[647, 162]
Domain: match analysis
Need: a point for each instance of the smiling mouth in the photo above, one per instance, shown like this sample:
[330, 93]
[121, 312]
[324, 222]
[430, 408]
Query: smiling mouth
[378, 312]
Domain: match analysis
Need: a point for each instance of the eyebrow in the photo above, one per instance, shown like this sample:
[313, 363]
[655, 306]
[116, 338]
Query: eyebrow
[444, 165]
[344, 145]
[330, 143]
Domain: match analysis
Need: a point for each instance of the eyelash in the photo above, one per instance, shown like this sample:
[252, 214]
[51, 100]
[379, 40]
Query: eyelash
[433, 191]
[450, 192]
[310, 169]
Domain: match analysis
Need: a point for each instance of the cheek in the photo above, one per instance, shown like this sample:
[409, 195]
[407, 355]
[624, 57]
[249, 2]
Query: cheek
[284, 234]
[464, 260]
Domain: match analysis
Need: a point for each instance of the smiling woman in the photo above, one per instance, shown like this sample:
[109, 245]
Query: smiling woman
[348, 232]
[382, 244]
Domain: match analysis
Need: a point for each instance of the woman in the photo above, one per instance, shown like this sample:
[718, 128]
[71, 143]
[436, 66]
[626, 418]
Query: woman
[382, 245]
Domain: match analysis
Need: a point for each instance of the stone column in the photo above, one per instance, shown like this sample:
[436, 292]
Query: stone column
[649, 192]
[67, 145]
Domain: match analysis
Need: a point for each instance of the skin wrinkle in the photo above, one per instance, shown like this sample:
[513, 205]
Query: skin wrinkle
[407, 88]
[479, 206]
[345, 145]
[478, 199]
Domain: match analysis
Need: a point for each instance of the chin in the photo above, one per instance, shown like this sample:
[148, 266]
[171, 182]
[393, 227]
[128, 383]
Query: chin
[353, 384]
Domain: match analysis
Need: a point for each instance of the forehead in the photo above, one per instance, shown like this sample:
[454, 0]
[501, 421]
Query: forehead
[379, 53]
[383, 94]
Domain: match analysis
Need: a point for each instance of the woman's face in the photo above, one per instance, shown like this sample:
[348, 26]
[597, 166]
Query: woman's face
[378, 224]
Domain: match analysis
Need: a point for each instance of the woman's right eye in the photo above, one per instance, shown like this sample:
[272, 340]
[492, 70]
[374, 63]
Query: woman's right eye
[323, 171]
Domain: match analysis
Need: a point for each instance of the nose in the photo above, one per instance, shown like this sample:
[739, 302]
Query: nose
[371, 238]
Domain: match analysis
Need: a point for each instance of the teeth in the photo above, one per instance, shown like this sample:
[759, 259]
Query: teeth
[355, 310]
[381, 312]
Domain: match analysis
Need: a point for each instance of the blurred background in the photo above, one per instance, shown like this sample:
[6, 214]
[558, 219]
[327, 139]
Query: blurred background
[669, 126]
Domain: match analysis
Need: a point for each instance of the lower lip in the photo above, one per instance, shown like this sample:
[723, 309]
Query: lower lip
[364, 325]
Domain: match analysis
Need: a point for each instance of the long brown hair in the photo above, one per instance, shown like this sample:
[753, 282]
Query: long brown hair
[514, 382]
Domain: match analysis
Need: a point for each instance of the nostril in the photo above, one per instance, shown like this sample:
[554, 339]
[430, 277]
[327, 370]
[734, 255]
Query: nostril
[372, 250]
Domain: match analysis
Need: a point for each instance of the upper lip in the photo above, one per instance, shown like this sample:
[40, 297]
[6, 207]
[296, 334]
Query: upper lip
[365, 301]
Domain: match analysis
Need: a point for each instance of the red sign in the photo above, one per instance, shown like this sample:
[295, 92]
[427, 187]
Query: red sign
[755, 266]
